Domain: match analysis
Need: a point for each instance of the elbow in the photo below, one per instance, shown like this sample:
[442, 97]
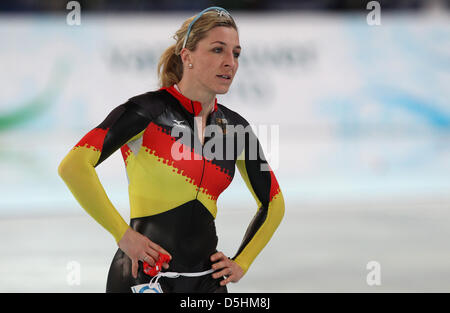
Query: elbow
[77, 163]
[70, 166]
[280, 207]
[64, 169]
[276, 209]
[282, 212]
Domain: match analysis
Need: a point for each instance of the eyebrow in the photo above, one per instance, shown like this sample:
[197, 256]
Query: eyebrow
[222, 43]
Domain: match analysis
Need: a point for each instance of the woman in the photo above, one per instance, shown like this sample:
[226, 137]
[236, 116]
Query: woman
[174, 175]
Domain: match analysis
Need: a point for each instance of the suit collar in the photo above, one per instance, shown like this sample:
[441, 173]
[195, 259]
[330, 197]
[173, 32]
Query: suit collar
[192, 106]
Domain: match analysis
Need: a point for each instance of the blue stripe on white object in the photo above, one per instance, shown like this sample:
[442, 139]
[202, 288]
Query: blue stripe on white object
[147, 288]
[154, 287]
[219, 11]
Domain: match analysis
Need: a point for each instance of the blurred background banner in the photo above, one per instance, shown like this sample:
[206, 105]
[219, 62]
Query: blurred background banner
[362, 111]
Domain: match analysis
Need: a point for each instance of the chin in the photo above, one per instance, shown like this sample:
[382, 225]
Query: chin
[221, 90]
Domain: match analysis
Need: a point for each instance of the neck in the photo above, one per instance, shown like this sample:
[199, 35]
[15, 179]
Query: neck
[206, 98]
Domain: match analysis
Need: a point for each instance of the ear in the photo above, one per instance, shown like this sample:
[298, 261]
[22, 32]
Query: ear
[186, 56]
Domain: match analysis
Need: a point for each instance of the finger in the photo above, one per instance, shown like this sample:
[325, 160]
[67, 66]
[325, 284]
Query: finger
[149, 259]
[165, 265]
[160, 249]
[216, 256]
[152, 255]
[226, 271]
[219, 265]
[134, 268]
[226, 281]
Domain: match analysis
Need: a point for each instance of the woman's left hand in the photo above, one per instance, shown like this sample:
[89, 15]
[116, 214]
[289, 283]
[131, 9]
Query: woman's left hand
[230, 269]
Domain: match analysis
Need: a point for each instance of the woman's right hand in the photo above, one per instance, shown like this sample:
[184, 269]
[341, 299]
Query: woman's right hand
[139, 248]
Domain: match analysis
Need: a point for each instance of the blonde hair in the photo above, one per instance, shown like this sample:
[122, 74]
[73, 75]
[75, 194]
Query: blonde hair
[170, 66]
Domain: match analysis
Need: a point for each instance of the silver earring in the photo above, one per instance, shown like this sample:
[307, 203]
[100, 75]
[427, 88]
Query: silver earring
[190, 65]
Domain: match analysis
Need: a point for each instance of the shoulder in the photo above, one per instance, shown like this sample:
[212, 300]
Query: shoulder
[150, 104]
[233, 117]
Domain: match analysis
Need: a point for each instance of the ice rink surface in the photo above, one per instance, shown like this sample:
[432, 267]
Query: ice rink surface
[317, 248]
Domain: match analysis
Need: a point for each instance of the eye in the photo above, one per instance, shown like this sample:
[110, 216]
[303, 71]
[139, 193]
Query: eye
[219, 49]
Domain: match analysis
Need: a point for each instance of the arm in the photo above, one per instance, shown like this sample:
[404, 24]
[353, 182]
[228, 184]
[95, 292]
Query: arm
[264, 187]
[125, 123]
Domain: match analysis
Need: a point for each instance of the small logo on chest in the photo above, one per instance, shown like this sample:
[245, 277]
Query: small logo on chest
[179, 123]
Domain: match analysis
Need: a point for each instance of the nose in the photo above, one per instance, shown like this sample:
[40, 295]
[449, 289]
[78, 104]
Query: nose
[229, 61]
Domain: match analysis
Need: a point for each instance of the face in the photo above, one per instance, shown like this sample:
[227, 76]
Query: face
[216, 55]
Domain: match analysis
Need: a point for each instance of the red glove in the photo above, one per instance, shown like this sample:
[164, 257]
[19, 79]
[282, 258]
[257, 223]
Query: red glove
[154, 270]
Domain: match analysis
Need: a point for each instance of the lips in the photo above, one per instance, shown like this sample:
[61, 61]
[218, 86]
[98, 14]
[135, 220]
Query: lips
[224, 76]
